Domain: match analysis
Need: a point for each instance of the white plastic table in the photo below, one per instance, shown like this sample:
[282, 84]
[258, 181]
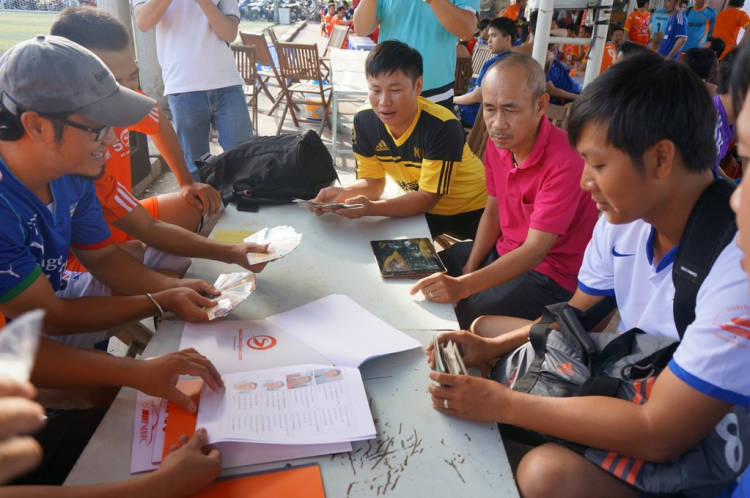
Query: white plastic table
[349, 85]
[418, 451]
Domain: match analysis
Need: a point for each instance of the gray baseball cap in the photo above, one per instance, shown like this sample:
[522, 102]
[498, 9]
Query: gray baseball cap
[51, 74]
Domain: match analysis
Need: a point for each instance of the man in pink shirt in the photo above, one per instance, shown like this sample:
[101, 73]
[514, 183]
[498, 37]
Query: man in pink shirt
[537, 221]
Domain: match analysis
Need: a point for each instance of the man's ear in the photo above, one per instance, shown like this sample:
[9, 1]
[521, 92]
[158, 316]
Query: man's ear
[419, 84]
[36, 126]
[541, 104]
[659, 159]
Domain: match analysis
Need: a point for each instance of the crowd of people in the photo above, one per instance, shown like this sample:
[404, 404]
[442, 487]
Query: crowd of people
[600, 210]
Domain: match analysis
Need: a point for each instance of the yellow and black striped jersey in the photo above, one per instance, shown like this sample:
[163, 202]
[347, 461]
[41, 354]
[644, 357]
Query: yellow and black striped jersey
[431, 156]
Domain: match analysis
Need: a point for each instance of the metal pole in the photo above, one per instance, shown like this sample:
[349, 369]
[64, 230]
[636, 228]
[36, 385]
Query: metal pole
[276, 11]
[598, 40]
[541, 33]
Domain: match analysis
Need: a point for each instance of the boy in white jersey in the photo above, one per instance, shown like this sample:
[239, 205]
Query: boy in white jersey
[646, 180]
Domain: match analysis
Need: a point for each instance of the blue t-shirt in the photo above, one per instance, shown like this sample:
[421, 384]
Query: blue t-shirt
[469, 112]
[414, 23]
[658, 21]
[676, 28]
[561, 79]
[700, 26]
[35, 238]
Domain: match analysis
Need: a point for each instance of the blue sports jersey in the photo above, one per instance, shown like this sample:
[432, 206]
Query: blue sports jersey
[561, 79]
[469, 112]
[414, 23]
[676, 28]
[700, 26]
[35, 238]
[658, 21]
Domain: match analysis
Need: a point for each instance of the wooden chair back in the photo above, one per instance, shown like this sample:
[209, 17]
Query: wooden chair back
[463, 75]
[337, 39]
[262, 52]
[558, 115]
[477, 139]
[244, 57]
[481, 55]
[299, 62]
[272, 34]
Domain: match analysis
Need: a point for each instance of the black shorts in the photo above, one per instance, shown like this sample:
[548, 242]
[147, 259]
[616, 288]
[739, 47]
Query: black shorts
[462, 225]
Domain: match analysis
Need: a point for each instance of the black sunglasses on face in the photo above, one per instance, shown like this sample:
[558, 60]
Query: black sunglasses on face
[100, 131]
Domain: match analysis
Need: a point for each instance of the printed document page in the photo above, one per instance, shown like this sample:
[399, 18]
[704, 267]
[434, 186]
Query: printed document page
[302, 404]
[343, 331]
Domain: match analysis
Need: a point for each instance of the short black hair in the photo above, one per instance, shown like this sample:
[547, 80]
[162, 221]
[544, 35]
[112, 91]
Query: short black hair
[340, 8]
[506, 26]
[571, 26]
[736, 3]
[641, 3]
[717, 45]
[629, 48]
[700, 60]
[390, 56]
[483, 24]
[92, 28]
[588, 28]
[740, 81]
[725, 72]
[11, 127]
[644, 99]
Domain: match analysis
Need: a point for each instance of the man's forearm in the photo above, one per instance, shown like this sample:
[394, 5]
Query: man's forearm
[223, 25]
[488, 232]
[458, 21]
[677, 47]
[405, 205]
[148, 14]
[168, 145]
[94, 314]
[122, 273]
[511, 265]
[59, 366]
[366, 17]
[473, 97]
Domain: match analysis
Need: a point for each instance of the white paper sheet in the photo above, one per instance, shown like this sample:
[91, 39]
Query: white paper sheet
[239, 346]
[145, 426]
[301, 404]
[343, 331]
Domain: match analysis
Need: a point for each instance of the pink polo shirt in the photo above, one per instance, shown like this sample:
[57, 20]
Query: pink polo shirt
[543, 193]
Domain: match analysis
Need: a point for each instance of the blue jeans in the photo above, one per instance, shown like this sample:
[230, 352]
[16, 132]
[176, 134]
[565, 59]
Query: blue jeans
[194, 112]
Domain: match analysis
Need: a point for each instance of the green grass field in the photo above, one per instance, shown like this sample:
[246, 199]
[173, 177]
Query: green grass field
[18, 26]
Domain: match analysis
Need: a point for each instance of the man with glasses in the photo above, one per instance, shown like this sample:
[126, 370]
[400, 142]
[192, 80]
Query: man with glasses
[58, 103]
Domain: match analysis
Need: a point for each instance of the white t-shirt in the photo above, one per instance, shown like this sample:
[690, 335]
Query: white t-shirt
[192, 56]
[715, 351]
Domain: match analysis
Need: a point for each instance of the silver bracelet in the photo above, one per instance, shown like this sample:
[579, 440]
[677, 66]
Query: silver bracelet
[158, 306]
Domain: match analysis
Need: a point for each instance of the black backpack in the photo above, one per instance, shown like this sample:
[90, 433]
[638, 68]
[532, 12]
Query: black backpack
[270, 170]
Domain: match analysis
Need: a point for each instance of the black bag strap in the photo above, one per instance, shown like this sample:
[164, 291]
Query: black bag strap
[710, 228]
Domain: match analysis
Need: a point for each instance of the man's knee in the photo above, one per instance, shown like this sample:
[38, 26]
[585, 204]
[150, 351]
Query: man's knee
[543, 471]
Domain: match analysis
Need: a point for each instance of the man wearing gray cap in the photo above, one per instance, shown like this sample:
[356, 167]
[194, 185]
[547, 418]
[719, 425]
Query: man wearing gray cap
[59, 103]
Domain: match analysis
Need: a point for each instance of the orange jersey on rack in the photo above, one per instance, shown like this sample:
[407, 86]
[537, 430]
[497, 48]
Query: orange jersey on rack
[637, 27]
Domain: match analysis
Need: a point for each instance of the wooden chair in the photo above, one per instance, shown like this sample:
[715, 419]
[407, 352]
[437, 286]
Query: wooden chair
[477, 138]
[266, 78]
[244, 56]
[463, 75]
[300, 65]
[558, 115]
[337, 40]
[272, 35]
[481, 55]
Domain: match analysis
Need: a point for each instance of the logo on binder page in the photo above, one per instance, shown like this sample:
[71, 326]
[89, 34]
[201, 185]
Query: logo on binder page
[261, 342]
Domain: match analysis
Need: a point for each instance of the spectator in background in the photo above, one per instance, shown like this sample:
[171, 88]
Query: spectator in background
[718, 46]
[328, 19]
[608, 57]
[502, 37]
[728, 25]
[725, 113]
[349, 10]
[684, 5]
[675, 34]
[616, 36]
[340, 20]
[701, 61]
[636, 25]
[572, 53]
[201, 80]
[658, 23]
[514, 10]
[700, 18]
[441, 23]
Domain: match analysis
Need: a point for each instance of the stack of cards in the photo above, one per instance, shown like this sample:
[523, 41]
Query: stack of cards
[326, 205]
[281, 241]
[448, 359]
[235, 288]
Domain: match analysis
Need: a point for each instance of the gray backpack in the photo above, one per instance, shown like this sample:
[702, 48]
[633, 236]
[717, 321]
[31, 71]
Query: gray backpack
[573, 362]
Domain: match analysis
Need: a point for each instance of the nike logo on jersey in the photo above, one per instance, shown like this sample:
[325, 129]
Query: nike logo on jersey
[382, 147]
[618, 255]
